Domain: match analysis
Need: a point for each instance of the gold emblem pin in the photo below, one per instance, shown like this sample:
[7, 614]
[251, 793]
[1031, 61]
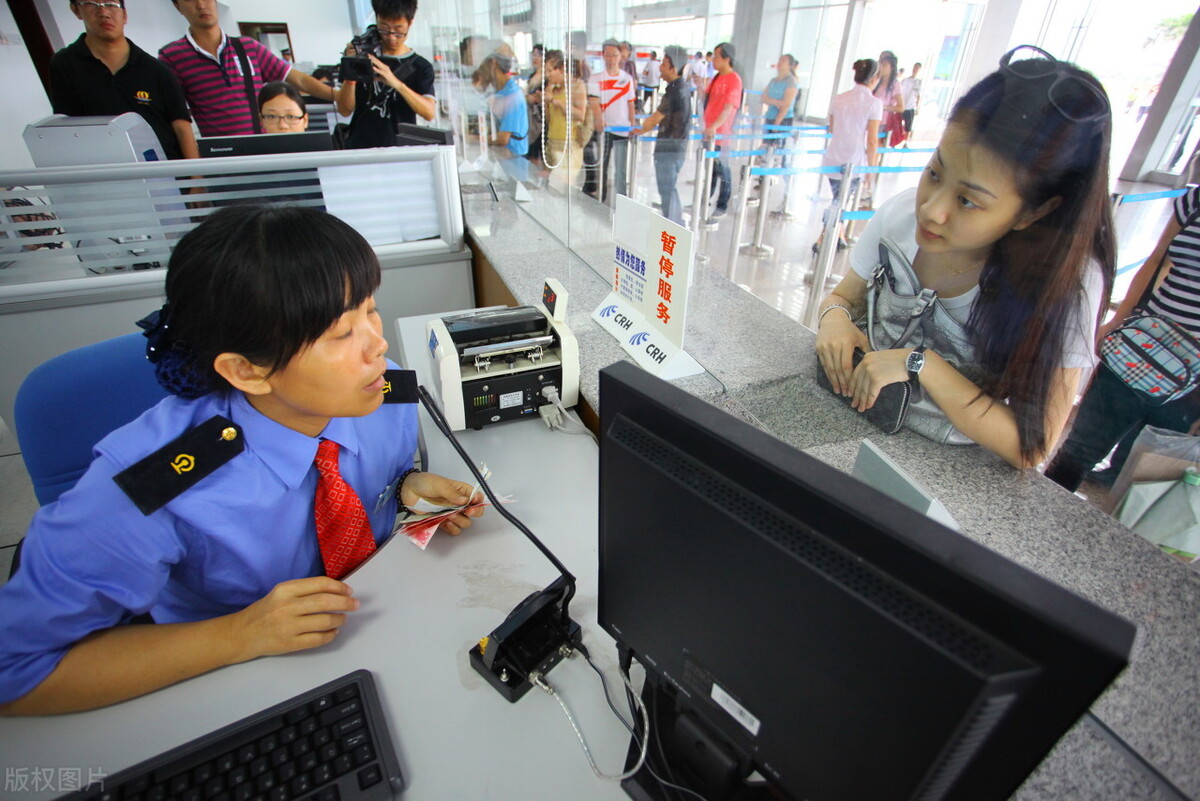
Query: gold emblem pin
[387, 387]
[183, 463]
[229, 434]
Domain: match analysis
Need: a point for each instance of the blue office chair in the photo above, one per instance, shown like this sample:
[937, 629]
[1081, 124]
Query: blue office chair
[68, 404]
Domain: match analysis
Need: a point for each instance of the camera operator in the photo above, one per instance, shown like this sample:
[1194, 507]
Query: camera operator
[401, 85]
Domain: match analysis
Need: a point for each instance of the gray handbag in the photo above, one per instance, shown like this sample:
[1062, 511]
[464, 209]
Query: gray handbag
[900, 313]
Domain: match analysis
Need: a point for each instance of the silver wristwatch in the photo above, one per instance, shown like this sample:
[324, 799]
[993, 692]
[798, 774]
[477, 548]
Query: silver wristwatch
[914, 363]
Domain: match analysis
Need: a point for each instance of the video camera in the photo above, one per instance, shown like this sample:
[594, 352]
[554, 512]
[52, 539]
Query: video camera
[358, 67]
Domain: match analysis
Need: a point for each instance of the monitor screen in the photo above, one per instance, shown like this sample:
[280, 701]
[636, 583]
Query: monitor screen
[797, 623]
[410, 134]
[264, 144]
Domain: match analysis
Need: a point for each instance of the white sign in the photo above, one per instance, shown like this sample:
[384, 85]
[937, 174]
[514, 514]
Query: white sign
[647, 309]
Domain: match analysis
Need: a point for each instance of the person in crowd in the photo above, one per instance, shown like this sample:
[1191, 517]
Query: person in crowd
[781, 99]
[695, 74]
[537, 56]
[1011, 227]
[403, 85]
[853, 125]
[887, 89]
[911, 88]
[534, 86]
[1110, 410]
[272, 348]
[651, 77]
[103, 72]
[565, 137]
[508, 103]
[226, 105]
[282, 109]
[720, 109]
[671, 119]
[326, 76]
[611, 97]
[629, 63]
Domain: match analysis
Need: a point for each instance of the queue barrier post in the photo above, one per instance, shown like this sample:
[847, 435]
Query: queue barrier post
[826, 252]
[739, 223]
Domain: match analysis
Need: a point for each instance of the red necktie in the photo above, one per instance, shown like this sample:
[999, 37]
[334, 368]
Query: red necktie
[343, 531]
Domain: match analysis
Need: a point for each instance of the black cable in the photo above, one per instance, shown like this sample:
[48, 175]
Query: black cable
[444, 427]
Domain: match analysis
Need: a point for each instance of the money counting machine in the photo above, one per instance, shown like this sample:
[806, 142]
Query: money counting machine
[502, 364]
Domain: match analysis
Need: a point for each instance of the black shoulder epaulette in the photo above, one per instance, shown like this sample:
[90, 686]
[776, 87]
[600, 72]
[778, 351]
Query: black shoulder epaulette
[400, 386]
[176, 467]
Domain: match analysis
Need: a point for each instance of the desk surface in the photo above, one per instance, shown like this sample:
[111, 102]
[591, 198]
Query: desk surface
[421, 612]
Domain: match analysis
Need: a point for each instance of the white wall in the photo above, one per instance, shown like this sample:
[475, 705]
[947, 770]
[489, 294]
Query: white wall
[24, 99]
[319, 29]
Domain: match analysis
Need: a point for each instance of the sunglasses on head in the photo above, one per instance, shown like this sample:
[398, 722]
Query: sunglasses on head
[1072, 96]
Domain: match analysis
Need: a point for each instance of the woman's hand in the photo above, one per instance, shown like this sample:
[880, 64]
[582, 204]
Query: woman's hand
[295, 615]
[876, 370]
[441, 491]
[837, 338]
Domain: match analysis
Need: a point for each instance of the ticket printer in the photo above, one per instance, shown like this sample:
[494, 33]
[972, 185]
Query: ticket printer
[496, 364]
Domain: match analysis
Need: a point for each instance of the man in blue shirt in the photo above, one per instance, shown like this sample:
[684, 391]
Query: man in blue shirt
[508, 105]
[271, 344]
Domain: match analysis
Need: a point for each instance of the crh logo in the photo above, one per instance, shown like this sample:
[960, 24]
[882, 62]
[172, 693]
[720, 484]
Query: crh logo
[639, 338]
[608, 311]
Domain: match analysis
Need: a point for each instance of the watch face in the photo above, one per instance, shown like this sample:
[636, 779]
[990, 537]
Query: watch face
[916, 361]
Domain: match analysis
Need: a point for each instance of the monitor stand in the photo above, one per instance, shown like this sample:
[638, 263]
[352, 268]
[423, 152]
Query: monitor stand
[683, 751]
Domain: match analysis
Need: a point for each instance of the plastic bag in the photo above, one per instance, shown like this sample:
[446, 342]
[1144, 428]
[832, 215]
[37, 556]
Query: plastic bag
[1155, 470]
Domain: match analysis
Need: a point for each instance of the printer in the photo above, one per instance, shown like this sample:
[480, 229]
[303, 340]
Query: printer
[497, 364]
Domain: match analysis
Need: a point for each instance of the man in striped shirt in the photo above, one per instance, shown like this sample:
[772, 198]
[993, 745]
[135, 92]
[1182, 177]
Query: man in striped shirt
[208, 66]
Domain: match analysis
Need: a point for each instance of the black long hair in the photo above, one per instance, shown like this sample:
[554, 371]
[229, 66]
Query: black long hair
[1032, 283]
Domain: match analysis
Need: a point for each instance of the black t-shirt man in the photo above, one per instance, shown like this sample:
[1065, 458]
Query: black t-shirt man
[378, 107]
[675, 107]
[81, 85]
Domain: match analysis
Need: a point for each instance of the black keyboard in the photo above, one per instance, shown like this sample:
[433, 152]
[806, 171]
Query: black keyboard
[328, 744]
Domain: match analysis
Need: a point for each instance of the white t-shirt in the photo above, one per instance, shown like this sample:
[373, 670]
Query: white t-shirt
[851, 111]
[650, 73]
[897, 220]
[911, 89]
[614, 92]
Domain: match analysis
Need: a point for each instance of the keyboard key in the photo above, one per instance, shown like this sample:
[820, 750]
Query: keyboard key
[245, 754]
[192, 794]
[369, 777]
[329, 794]
[342, 765]
[179, 784]
[214, 786]
[345, 694]
[328, 752]
[308, 726]
[243, 792]
[259, 766]
[280, 756]
[225, 763]
[348, 725]
[280, 793]
[300, 748]
[301, 784]
[297, 715]
[268, 744]
[354, 740]
[287, 772]
[238, 775]
[322, 703]
[338, 712]
[322, 774]
[265, 782]
[288, 735]
[309, 761]
[363, 754]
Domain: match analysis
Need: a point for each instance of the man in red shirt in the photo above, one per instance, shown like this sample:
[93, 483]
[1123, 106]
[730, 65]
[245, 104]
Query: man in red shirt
[724, 99]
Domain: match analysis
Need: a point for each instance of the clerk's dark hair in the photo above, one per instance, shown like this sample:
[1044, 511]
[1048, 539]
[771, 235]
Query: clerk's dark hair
[263, 282]
[1033, 281]
[394, 9]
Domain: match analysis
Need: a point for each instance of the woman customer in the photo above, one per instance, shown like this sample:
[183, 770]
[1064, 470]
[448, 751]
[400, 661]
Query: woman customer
[564, 137]
[282, 108]
[272, 347]
[854, 132]
[1009, 240]
[1110, 410]
[890, 94]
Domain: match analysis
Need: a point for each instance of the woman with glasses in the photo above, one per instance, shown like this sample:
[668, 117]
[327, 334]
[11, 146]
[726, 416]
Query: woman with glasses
[403, 83]
[282, 109]
[983, 287]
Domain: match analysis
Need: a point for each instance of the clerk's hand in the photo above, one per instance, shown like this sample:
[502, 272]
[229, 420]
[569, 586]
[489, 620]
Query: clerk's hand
[442, 491]
[295, 615]
[876, 370]
[837, 338]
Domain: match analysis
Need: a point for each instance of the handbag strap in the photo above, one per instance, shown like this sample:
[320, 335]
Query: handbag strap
[1153, 282]
[251, 95]
[923, 304]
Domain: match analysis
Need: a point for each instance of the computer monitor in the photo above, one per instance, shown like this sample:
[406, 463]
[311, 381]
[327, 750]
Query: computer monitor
[409, 134]
[264, 144]
[795, 622]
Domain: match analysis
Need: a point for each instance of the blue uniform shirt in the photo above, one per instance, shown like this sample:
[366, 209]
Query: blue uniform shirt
[92, 559]
[509, 107]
